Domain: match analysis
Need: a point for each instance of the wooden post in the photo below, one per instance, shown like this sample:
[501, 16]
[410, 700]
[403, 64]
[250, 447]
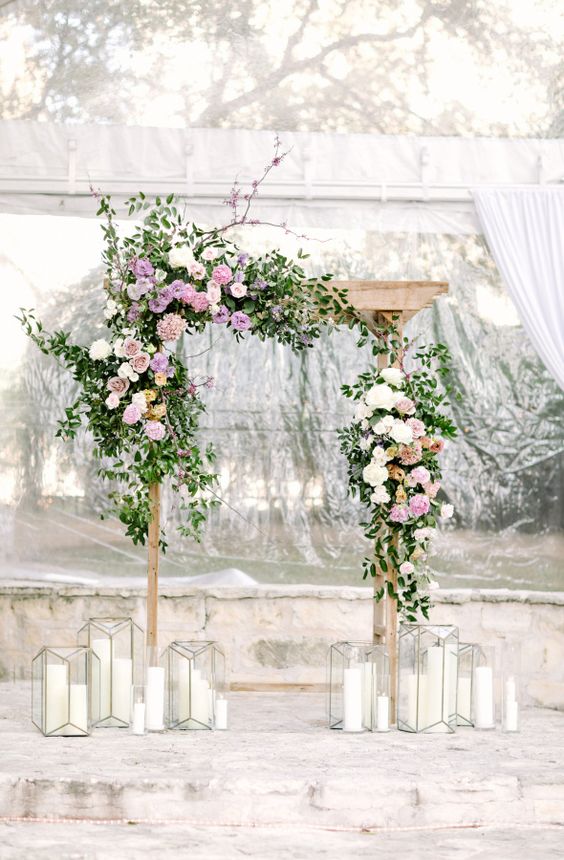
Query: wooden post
[153, 567]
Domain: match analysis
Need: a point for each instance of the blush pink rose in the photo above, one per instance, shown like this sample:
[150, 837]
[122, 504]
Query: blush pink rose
[222, 274]
[112, 400]
[419, 505]
[140, 362]
[118, 385]
[417, 427]
[197, 271]
[131, 347]
[213, 292]
[209, 253]
[432, 489]
[405, 406]
[131, 414]
[238, 290]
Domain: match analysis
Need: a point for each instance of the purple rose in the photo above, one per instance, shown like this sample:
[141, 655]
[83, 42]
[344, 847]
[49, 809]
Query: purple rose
[155, 430]
[159, 362]
[145, 284]
[157, 305]
[141, 267]
[177, 288]
[166, 295]
[222, 316]
[240, 321]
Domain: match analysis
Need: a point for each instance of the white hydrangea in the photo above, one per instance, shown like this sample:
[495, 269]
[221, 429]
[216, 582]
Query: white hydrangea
[365, 443]
[111, 309]
[362, 411]
[181, 257]
[100, 349]
[401, 433]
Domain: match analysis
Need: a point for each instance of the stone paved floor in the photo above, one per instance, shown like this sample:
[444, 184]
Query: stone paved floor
[280, 785]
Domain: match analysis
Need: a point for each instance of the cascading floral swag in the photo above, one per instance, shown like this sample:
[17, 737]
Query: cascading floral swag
[392, 448]
[142, 406]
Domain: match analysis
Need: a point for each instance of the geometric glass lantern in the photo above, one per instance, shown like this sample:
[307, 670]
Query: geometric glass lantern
[483, 688]
[62, 698]
[118, 644]
[427, 678]
[466, 657]
[358, 683]
[195, 678]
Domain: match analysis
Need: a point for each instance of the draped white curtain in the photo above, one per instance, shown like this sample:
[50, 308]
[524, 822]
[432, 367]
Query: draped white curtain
[525, 232]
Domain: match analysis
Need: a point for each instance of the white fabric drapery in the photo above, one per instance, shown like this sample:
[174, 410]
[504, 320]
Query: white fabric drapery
[525, 231]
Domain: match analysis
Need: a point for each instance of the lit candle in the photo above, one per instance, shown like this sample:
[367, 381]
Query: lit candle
[56, 697]
[221, 714]
[138, 727]
[483, 698]
[438, 689]
[155, 698]
[78, 710]
[102, 687]
[352, 699]
[122, 675]
[382, 714]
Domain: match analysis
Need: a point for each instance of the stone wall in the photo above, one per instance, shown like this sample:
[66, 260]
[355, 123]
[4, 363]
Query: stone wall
[279, 635]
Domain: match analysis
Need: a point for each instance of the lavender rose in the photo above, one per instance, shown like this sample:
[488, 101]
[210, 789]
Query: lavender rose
[222, 316]
[131, 347]
[159, 362]
[141, 267]
[240, 321]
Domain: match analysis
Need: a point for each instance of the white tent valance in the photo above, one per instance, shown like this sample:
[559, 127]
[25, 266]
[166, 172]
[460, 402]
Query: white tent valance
[328, 180]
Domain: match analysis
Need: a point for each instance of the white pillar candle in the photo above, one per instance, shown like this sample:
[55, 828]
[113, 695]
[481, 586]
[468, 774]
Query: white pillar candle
[199, 699]
[438, 689]
[464, 706]
[352, 699]
[56, 697]
[221, 714]
[102, 687]
[412, 701]
[138, 726]
[78, 709]
[155, 698]
[122, 676]
[483, 698]
[511, 710]
[382, 714]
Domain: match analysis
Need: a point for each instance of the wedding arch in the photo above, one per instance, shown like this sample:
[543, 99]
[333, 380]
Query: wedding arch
[142, 405]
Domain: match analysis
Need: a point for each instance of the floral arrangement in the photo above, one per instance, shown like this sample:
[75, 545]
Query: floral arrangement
[141, 404]
[392, 448]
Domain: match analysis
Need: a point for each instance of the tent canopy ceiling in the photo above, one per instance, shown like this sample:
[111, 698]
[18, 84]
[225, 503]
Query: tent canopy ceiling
[327, 180]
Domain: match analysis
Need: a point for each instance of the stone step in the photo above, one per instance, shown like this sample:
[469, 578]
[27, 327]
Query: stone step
[279, 765]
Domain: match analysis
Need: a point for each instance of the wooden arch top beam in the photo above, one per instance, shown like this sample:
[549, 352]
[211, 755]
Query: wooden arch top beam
[391, 297]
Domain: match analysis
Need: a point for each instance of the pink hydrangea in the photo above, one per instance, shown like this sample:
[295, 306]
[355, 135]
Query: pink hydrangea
[417, 427]
[171, 327]
[410, 454]
[187, 294]
[421, 475]
[131, 414]
[131, 347]
[155, 430]
[405, 405]
[140, 362]
[419, 505]
[432, 489]
[399, 514]
[222, 274]
[200, 302]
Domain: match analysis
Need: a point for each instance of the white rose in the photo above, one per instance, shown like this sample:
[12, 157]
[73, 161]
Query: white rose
[380, 397]
[380, 496]
[401, 433]
[393, 376]
[213, 292]
[100, 349]
[362, 411]
[374, 474]
[118, 348]
[180, 257]
[365, 443]
[209, 253]
[214, 309]
[238, 290]
[111, 309]
[364, 424]
[379, 456]
[140, 401]
[125, 371]
[446, 511]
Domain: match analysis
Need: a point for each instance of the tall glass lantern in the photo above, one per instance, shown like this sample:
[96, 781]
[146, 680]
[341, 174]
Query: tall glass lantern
[427, 678]
[358, 681]
[467, 656]
[118, 644]
[64, 699]
[195, 679]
